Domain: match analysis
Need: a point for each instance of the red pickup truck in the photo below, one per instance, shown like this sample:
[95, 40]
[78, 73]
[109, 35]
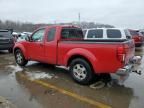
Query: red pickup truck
[64, 45]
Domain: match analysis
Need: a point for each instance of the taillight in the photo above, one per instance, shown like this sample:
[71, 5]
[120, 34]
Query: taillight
[137, 38]
[140, 38]
[121, 53]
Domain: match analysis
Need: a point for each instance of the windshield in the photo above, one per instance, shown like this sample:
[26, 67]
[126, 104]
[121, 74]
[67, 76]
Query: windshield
[24, 36]
[132, 32]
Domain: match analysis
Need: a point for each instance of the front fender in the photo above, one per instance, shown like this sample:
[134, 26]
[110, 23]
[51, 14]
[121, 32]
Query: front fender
[84, 53]
[22, 48]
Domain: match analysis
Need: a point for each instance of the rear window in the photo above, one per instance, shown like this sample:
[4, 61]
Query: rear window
[127, 33]
[132, 32]
[95, 33]
[5, 33]
[113, 33]
[71, 33]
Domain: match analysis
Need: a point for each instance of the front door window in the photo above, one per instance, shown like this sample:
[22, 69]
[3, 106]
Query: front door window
[38, 36]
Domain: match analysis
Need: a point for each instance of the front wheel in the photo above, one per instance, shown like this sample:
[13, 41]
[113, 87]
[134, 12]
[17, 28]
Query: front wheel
[19, 57]
[81, 71]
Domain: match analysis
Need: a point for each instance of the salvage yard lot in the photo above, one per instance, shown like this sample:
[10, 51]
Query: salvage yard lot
[23, 87]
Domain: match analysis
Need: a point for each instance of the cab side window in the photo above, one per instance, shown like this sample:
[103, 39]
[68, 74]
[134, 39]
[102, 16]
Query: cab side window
[51, 34]
[38, 35]
[71, 33]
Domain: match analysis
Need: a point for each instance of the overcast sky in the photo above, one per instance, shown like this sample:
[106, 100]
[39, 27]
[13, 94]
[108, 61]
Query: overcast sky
[120, 13]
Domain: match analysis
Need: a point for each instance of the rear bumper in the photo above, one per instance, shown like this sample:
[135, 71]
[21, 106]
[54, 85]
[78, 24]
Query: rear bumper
[125, 70]
[6, 46]
[123, 73]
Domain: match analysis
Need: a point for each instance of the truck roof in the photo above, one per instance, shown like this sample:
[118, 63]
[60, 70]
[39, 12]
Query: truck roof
[124, 33]
[61, 26]
[105, 28]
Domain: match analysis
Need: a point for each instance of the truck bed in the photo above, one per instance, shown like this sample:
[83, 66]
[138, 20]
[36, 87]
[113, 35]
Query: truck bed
[103, 53]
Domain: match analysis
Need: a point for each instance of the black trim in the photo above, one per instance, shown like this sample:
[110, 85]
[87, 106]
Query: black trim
[96, 41]
[99, 40]
[106, 40]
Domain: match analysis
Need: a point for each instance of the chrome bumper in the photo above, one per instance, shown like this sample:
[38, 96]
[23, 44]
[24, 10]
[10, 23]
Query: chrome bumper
[125, 70]
[123, 73]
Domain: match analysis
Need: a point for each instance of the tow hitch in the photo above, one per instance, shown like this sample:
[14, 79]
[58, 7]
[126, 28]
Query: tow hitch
[137, 72]
[123, 73]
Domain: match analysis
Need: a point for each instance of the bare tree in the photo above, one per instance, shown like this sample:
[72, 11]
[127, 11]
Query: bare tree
[29, 27]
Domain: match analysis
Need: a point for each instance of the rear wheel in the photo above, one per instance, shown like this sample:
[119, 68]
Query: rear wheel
[81, 71]
[19, 57]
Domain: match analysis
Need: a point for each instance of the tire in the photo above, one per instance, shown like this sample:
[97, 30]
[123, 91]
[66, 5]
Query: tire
[10, 50]
[81, 71]
[19, 57]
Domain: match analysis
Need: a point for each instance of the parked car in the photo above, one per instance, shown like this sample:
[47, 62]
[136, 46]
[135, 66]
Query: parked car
[22, 37]
[15, 36]
[27, 33]
[106, 34]
[138, 37]
[64, 45]
[6, 40]
[142, 32]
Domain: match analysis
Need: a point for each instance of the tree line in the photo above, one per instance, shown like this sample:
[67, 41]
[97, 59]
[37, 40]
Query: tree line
[29, 27]
[17, 26]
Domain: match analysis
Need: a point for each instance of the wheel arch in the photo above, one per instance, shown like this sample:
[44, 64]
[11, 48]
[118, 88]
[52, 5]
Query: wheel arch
[77, 56]
[83, 54]
[22, 49]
